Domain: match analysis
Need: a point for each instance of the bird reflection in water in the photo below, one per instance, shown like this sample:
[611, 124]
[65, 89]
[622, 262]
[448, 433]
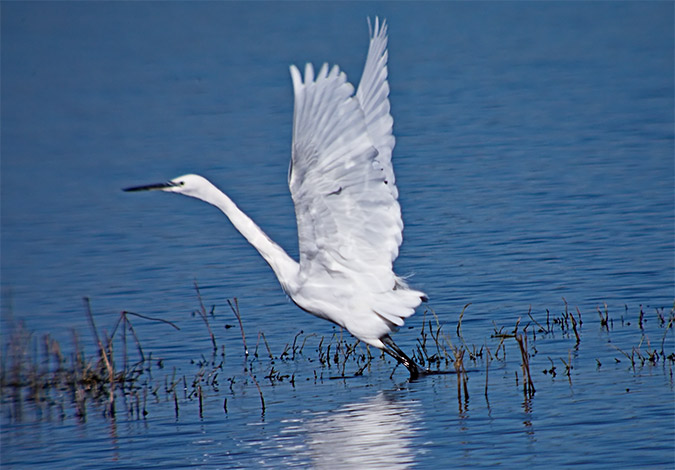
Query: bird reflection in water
[376, 433]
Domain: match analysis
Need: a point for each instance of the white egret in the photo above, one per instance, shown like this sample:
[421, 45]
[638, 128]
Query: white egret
[349, 220]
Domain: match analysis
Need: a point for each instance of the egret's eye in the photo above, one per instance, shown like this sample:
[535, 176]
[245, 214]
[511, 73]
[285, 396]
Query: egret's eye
[181, 183]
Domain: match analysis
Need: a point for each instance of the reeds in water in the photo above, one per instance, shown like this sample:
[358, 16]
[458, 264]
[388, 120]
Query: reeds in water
[35, 372]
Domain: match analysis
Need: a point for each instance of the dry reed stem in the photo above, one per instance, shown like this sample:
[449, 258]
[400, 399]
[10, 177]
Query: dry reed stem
[305, 340]
[667, 328]
[574, 328]
[528, 386]
[269, 351]
[108, 362]
[235, 310]
[487, 369]
[146, 317]
[202, 313]
[604, 319]
[447, 340]
[461, 374]
[541, 328]
[201, 406]
[459, 321]
[295, 339]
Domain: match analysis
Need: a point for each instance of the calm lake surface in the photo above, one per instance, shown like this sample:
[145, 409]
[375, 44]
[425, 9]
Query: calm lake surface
[534, 160]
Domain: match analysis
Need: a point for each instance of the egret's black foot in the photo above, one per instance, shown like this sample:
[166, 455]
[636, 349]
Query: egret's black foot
[394, 351]
[416, 370]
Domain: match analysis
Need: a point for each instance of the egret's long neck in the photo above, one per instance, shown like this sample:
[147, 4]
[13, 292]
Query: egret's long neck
[285, 267]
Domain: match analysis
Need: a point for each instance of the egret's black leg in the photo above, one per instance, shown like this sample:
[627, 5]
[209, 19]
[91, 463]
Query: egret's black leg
[395, 352]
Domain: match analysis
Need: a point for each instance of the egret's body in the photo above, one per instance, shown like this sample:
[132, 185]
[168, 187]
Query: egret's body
[349, 221]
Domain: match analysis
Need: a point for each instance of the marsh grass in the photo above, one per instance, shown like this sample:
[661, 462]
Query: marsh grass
[46, 377]
[36, 374]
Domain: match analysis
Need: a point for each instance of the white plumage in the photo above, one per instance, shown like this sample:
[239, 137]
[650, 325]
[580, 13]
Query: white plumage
[342, 184]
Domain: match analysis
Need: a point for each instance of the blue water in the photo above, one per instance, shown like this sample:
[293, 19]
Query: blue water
[534, 161]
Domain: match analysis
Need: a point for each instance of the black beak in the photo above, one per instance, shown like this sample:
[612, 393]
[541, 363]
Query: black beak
[150, 187]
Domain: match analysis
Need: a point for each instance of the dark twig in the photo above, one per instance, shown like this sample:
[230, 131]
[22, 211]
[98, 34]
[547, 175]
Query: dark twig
[574, 328]
[528, 386]
[541, 327]
[104, 355]
[235, 310]
[145, 317]
[202, 313]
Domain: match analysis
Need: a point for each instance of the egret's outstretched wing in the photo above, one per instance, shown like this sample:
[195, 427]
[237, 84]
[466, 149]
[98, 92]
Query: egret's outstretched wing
[341, 180]
[373, 96]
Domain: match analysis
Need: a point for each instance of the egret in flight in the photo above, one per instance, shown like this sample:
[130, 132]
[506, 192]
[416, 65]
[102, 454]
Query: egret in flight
[349, 222]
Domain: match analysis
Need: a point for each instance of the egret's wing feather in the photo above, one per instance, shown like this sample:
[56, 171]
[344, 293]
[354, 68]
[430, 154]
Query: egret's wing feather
[340, 178]
[373, 96]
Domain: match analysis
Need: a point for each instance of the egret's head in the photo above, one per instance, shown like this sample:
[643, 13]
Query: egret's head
[190, 185]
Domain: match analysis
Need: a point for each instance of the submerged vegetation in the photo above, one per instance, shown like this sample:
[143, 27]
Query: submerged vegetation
[122, 377]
